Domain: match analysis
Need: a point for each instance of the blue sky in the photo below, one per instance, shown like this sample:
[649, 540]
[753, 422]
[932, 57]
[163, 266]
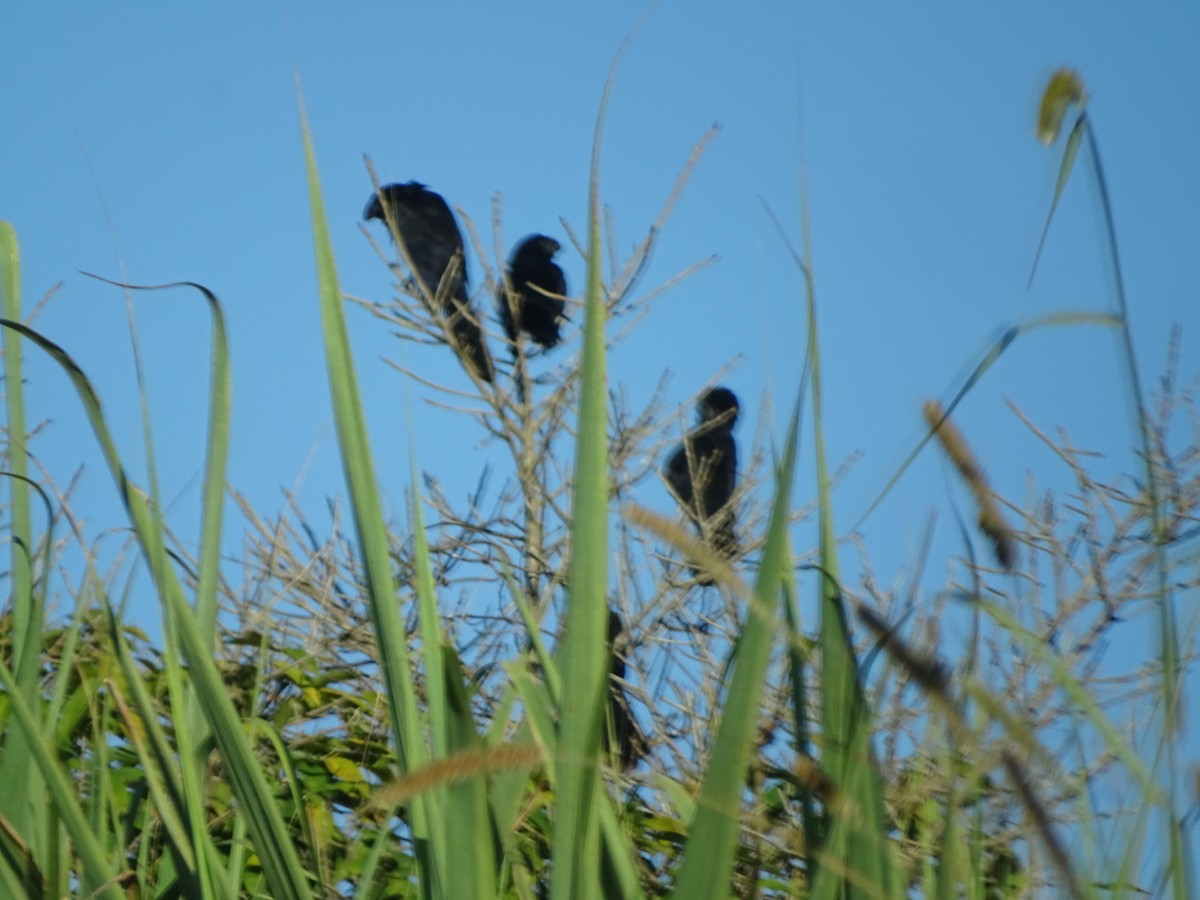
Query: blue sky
[162, 144]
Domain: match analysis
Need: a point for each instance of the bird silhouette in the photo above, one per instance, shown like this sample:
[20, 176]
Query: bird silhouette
[702, 472]
[533, 274]
[628, 737]
[425, 225]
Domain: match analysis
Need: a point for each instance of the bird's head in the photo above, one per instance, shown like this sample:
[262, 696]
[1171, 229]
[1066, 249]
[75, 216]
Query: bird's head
[536, 247]
[412, 194]
[720, 402]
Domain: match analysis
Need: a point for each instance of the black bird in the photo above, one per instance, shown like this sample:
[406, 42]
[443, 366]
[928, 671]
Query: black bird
[702, 472]
[630, 743]
[533, 274]
[434, 245]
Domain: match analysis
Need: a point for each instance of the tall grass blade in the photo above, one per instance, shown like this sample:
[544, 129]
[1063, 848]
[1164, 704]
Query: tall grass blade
[436, 701]
[280, 862]
[372, 533]
[468, 820]
[709, 855]
[1180, 862]
[575, 850]
[856, 845]
[216, 455]
[98, 874]
[1063, 89]
[150, 742]
[1070, 152]
[20, 790]
[798, 699]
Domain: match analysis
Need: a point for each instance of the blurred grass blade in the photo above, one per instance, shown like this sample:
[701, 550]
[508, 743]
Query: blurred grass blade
[1064, 90]
[145, 733]
[1069, 684]
[990, 357]
[856, 845]
[98, 875]
[281, 865]
[19, 781]
[1181, 859]
[371, 531]
[1070, 152]
[436, 702]
[798, 697]
[467, 817]
[575, 849]
[216, 455]
[712, 841]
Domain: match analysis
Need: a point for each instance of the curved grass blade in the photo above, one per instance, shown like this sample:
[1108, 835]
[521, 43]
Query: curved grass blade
[216, 454]
[281, 865]
[191, 729]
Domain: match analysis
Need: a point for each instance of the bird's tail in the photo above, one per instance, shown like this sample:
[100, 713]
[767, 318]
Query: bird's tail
[722, 539]
[469, 345]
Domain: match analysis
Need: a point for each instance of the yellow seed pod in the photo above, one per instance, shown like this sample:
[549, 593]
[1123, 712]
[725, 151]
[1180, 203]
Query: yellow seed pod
[1064, 88]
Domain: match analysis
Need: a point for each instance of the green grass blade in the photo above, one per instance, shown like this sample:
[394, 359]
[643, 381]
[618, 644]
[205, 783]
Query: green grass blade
[472, 872]
[709, 855]
[191, 729]
[370, 527]
[539, 715]
[98, 874]
[436, 700]
[153, 749]
[575, 850]
[856, 845]
[1070, 152]
[19, 790]
[1070, 685]
[432, 639]
[216, 455]
[797, 662]
[1063, 91]
[537, 698]
[280, 863]
[256, 798]
[1180, 862]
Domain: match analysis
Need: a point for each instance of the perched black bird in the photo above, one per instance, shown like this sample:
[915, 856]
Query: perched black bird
[434, 245]
[533, 274]
[702, 472]
[630, 743]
